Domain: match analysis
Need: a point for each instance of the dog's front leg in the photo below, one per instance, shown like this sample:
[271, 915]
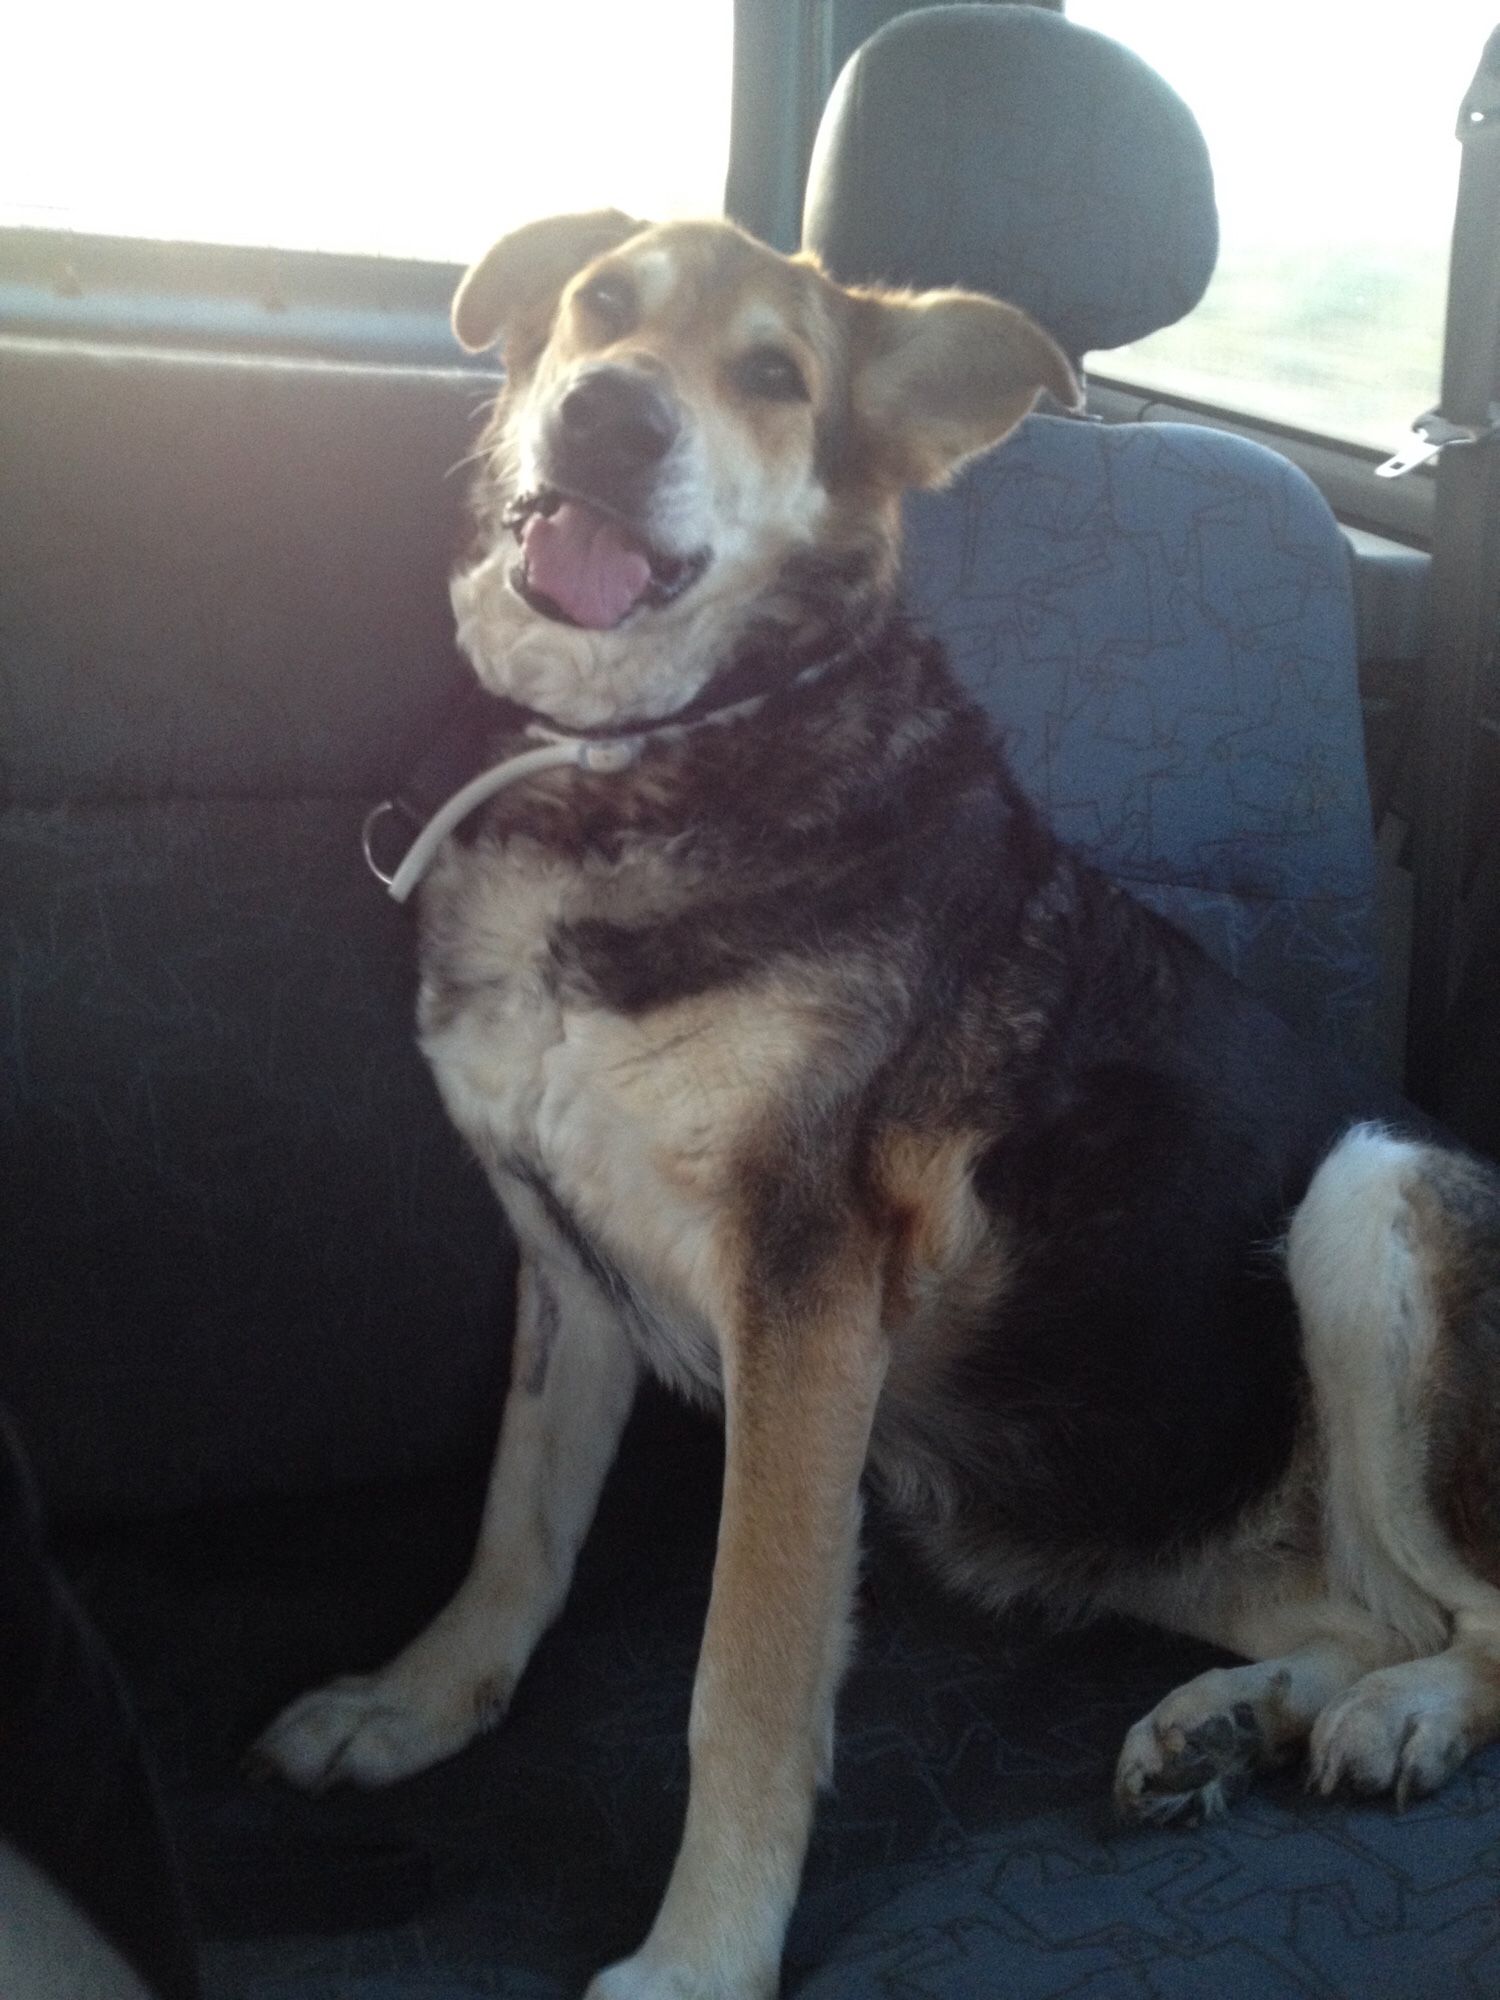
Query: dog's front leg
[801, 1386]
[573, 1378]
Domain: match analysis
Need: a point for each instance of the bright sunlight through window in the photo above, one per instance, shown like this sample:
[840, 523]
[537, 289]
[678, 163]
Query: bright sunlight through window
[1331, 127]
[419, 131]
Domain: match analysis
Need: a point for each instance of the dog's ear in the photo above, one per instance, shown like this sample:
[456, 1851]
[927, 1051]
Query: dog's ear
[516, 283]
[940, 376]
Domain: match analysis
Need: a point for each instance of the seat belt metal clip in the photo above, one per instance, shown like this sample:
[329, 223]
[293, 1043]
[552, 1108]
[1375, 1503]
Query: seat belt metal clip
[1481, 105]
[1432, 434]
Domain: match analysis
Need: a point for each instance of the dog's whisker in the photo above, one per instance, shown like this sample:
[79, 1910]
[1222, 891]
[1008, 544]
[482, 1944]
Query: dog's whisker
[475, 457]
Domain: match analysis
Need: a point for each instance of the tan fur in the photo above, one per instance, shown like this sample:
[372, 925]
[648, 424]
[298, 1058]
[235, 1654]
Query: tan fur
[513, 289]
[939, 1247]
[639, 1121]
[946, 375]
[798, 1422]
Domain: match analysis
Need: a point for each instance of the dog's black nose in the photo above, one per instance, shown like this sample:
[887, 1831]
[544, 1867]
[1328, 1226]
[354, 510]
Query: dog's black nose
[619, 417]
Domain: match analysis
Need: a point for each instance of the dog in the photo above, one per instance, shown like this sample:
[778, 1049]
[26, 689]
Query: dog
[817, 1077]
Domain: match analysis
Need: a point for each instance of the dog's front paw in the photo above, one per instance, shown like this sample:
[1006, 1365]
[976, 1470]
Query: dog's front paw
[642, 1978]
[364, 1730]
[1401, 1729]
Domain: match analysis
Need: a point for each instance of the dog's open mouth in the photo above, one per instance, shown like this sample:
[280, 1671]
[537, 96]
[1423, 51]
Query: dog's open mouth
[586, 566]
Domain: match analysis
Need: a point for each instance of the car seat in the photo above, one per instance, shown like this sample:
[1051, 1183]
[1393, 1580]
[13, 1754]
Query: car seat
[1158, 615]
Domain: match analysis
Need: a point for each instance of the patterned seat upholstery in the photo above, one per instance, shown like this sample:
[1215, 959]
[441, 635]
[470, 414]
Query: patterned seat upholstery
[1158, 616]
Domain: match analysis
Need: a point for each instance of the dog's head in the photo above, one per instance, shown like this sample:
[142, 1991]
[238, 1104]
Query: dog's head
[693, 429]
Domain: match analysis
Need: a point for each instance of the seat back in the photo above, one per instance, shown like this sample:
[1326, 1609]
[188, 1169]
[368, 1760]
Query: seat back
[1158, 616]
[243, 1250]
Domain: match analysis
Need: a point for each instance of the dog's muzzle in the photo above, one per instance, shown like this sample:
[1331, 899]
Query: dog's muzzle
[610, 433]
[587, 557]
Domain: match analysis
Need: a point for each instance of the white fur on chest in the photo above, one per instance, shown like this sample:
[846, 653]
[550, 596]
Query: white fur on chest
[634, 1121]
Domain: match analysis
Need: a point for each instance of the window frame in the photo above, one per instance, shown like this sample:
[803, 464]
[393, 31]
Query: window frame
[272, 303]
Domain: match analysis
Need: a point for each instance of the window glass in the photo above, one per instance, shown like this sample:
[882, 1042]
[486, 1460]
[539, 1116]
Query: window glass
[317, 124]
[1331, 127]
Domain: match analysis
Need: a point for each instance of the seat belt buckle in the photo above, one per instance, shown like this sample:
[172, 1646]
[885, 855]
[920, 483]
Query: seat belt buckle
[1430, 435]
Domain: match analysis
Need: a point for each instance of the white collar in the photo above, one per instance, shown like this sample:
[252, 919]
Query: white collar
[600, 755]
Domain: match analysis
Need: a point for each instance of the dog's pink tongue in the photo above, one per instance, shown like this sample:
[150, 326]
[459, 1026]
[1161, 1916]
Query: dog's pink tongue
[588, 567]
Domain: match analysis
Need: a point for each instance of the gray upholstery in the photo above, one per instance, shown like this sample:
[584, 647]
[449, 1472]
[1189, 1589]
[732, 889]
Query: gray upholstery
[244, 1252]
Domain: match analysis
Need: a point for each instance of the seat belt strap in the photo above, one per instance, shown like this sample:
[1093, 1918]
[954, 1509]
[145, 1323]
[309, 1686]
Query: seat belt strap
[1462, 434]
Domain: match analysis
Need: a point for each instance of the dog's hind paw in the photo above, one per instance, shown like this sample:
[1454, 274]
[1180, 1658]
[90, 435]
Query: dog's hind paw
[365, 1730]
[1178, 1767]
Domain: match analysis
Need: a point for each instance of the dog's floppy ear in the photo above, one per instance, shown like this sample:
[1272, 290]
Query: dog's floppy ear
[518, 279]
[943, 375]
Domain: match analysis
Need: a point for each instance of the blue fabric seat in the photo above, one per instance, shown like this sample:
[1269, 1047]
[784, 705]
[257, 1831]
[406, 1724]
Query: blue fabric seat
[1159, 616]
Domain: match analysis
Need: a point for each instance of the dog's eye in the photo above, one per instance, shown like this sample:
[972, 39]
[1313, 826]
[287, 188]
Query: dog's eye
[770, 372]
[611, 302]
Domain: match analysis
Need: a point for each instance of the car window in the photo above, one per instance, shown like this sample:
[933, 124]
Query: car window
[1331, 127]
[410, 132]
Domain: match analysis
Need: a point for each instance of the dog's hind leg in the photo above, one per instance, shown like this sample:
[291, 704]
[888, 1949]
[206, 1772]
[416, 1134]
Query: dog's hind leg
[1394, 1256]
[573, 1378]
[1381, 1644]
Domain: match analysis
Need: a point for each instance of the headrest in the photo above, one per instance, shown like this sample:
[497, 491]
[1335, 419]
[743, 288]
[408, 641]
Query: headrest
[1007, 150]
